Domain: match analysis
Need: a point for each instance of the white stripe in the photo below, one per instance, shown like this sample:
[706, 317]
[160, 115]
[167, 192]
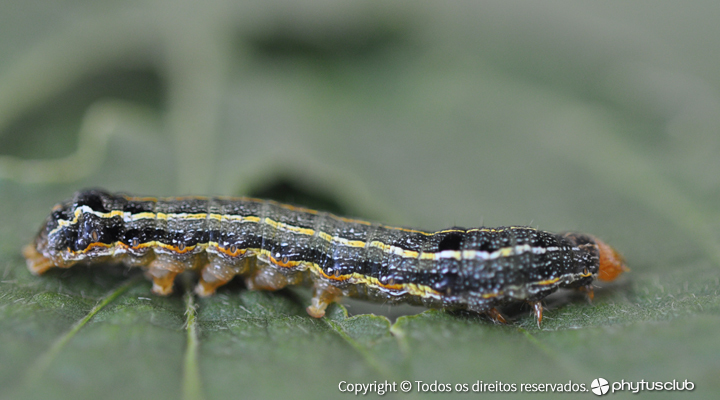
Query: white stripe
[387, 248]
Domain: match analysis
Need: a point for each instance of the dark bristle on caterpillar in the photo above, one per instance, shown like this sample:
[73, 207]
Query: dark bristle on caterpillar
[273, 245]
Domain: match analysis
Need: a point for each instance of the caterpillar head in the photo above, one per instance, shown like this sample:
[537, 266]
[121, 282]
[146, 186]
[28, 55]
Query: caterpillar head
[69, 234]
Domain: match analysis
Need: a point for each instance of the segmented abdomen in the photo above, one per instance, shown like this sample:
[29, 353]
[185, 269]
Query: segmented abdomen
[467, 268]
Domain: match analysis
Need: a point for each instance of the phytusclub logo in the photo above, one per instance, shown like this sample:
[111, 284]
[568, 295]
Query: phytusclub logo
[600, 386]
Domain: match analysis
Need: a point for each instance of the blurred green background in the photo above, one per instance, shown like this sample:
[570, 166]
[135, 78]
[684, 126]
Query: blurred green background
[596, 117]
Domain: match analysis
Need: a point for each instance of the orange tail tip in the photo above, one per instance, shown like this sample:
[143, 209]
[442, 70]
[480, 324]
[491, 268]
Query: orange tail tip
[612, 263]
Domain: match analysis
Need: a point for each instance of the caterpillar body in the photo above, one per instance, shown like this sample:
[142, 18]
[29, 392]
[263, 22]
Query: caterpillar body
[273, 245]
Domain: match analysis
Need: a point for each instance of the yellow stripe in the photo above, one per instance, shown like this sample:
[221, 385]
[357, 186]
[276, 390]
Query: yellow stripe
[290, 228]
[387, 248]
[422, 291]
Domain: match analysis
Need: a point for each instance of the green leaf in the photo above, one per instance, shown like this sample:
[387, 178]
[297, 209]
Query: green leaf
[568, 117]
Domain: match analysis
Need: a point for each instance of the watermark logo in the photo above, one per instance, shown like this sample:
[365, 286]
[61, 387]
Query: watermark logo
[600, 386]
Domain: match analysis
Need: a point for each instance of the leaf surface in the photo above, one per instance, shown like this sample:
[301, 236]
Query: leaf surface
[421, 116]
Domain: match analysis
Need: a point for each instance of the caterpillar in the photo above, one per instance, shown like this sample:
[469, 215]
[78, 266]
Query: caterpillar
[273, 245]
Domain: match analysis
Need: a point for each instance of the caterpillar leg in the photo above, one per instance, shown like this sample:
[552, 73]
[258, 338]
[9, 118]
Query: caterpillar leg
[537, 310]
[495, 316]
[588, 290]
[36, 262]
[163, 273]
[267, 277]
[213, 275]
[323, 295]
